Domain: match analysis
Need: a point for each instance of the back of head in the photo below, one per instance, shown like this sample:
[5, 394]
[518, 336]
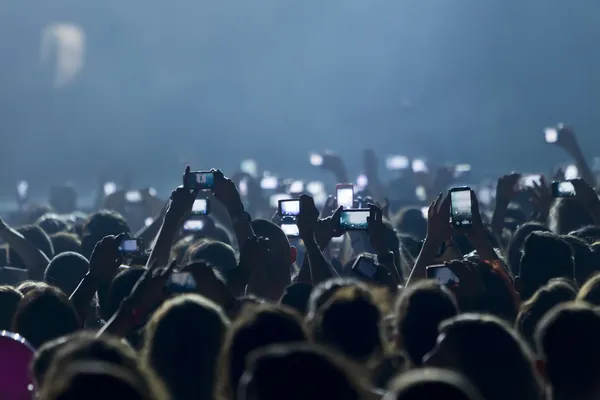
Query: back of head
[219, 255]
[9, 300]
[52, 223]
[411, 220]
[351, 323]
[489, 353]
[66, 270]
[432, 383]
[515, 245]
[545, 256]
[64, 241]
[590, 291]
[274, 372]
[36, 236]
[296, 296]
[567, 340]
[567, 215]
[279, 245]
[182, 344]
[420, 310]
[100, 224]
[255, 327]
[96, 380]
[43, 315]
[585, 262]
[27, 286]
[542, 301]
[321, 293]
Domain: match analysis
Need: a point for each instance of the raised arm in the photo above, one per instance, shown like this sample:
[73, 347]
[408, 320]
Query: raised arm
[35, 260]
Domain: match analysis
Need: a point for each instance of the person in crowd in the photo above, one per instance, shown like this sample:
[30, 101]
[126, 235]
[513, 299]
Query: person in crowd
[66, 270]
[63, 242]
[585, 262]
[100, 224]
[182, 344]
[432, 383]
[514, 250]
[567, 342]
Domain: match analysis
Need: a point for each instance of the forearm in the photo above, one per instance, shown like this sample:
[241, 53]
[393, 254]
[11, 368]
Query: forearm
[320, 269]
[162, 248]
[425, 258]
[35, 260]
[83, 296]
[149, 233]
[499, 216]
[119, 325]
[584, 169]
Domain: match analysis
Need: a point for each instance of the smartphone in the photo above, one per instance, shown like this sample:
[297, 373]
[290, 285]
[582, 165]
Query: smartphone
[364, 266]
[181, 282]
[354, 219]
[442, 274]
[551, 135]
[133, 196]
[130, 245]
[563, 189]
[530, 180]
[109, 188]
[193, 225]
[289, 208]
[290, 230]
[344, 192]
[200, 180]
[200, 207]
[461, 214]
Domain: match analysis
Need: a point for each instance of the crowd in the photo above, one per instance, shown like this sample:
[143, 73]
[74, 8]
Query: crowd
[228, 292]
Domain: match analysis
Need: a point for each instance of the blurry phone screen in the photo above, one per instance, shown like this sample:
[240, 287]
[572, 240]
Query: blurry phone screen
[290, 230]
[345, 195]
[460, 202]
[354, 219]
[289, 208]
[200, 207]
[365, 267]
[443, 275]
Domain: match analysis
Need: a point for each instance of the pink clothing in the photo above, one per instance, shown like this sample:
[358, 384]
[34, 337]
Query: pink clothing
[15, 356]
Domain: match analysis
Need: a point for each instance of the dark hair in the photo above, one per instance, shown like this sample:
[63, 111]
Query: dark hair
[9, 300]
[410, 220]
[38, 238]
[219, 255]
[27, 286]
[100, 224]
[44, 357]
[542, 301]
[590, 291]
[255, 327]
[66, 270]
[432, 383]
[325, 290]
[121, 287]
[43, 315]
[488, 351]
[545, 256]
[590, 233]
[585, 262]
[52, 223]
[272, 373]
[567, 215]
[296, 296]
[419, 311]
[182, 344]
[64, 242]
[515, 244]
[567, 340]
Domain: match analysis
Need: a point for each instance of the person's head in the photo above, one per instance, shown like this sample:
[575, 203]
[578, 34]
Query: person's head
[585, 262]
[515, 245]
[545, 256]
[64, 241]
[298, 372]
[100, 224]
[121, 287]
[182, 344]
[419, 311]
[9, 300]
[590, 234]
[219, 255]
[52, 223]
[283, 255]
[350, 322]
[567, 341]
[66, 270]
[37, 237]
[27, 286]
[410, 220]
[58, 354]
[542, 301]
[95, 380]
[567, 215]
[296, 296]
[432, 383]
[43, 315]
[255, 327]
[590, 291]
[321, 293]
[489, 353]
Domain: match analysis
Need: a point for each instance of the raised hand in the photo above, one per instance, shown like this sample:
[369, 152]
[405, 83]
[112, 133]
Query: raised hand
[180, 204]
[541, 198]
[469, 277]
[377, 230]
[328, 228]
[308, 217]
[106, 258]
[226, 192]
[507, 188]
[588, 198]
[438, 220]
[149, 290]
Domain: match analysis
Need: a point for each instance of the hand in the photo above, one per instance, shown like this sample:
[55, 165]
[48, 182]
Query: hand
[541, 198]
[328, 228]
[106, 258]
[469, 277]
[329, 207]
[307, 219]
[385, 207]
[567, 139]
[585, 194]
[149, 290]
[438, 220]
[507, 188]
[207, 283]
[377, 230]
[181, 202]
[226, 192]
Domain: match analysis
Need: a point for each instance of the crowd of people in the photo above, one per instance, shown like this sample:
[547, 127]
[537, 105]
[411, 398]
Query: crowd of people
[213, 296]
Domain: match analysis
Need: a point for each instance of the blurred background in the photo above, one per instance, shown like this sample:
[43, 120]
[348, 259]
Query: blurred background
[140, 88]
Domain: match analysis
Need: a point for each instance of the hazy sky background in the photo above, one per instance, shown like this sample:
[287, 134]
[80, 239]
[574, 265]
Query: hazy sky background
[163, 82]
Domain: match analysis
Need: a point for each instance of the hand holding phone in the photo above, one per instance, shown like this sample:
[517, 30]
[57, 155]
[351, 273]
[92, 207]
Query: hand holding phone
[443, 275]
[563, 189]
